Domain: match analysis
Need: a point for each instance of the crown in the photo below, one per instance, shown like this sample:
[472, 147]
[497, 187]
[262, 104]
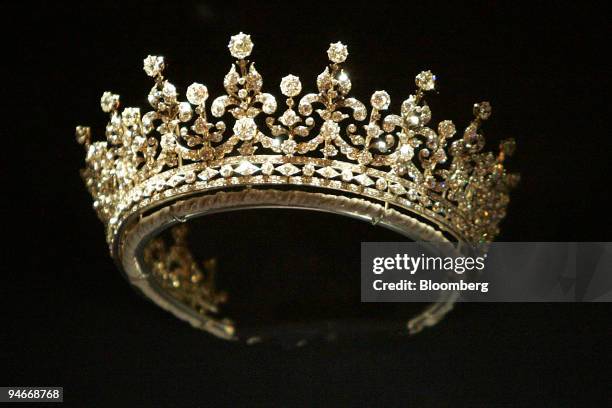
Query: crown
[326, 140]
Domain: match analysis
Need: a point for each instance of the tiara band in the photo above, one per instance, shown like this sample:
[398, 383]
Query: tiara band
[174, 162]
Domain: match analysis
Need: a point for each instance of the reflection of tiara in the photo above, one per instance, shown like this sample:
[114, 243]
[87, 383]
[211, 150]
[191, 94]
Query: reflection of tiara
[325, 143]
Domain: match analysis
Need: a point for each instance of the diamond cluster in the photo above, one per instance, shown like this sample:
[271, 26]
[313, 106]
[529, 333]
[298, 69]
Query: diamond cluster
[324, 140]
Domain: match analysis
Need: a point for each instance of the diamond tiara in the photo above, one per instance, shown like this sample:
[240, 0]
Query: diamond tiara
[324, 141]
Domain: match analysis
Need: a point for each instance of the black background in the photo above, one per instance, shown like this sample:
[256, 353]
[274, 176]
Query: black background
[69, 318]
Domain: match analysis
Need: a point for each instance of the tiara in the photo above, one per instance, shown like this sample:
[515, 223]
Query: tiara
[324, 150]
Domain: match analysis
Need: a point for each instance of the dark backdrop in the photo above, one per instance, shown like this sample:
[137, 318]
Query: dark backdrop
[69, 318]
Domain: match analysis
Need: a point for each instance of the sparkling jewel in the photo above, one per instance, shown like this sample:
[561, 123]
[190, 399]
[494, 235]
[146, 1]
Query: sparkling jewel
[147, 121]
[347, 175]
[446, 128]
[200, 126]
[381, 184]
[153, 65]
[373, 130]
[330, 129]
[482, 110]
[184, 111]
[226, 170]
[344, 82]
[83, 134]
[169, 90]
[109, 101]
[439, 156]
[426, 81]
[406, 152]
[287, 169]
[328, 172]
[289, 118]
[288, 146]
[130, 116]
[175, 180]
[246, 168]
[208, 174]
[268, 103]
[267, 168]
[218, 106]
[337, 52]
[245, 128]
[291, 85]
[398, 189]
[190, 177]
[308, 170]
[197, 93]
[364, 180]
[364, 157]
[240, 45]
[329, 151]
[380, 100]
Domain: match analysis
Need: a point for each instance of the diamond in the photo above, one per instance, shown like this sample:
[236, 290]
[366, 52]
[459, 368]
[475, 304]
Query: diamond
[426, 81]
[287, 169]
[267, 168]
[482, 110]
[247, 149]
[405, 153]
[291, 85]
[347, 175]
[240, 45]
[439, 156]
[218, 106]
[226, 170]
[337, 52]
[288, 146]
[184, 111]
[344, 82]
[130, 116]
[153, 65]
[308, 170]
[175, 180]
[208, 174]
[109, 101]
[328, 172]
[197, 94]
[364, 157]
[268, 103]
[83, 135]
[397, 189]
[364, 180]
[446, 129]
[289, 118]
[373, 130]
[329, 151]
[381, 184]
[190, 177]
[200, 126]
[147, 121]
[246, 168]
[330, 129]
[169, 90]
[245, 128]
[380, 100]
